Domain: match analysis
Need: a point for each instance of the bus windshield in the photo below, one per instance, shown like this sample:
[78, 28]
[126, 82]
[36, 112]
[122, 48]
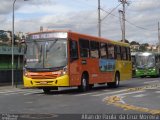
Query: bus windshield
[46, 54]
[145, 61]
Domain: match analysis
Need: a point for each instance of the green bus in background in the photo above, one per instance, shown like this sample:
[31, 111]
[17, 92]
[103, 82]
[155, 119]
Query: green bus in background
[147, 64]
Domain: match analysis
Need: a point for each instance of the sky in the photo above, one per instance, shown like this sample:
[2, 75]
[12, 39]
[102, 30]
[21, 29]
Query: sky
[81, 16]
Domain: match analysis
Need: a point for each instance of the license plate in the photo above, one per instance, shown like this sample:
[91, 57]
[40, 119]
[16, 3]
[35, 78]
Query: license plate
[43, 82]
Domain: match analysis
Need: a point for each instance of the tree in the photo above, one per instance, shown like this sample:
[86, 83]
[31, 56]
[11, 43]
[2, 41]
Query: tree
[3, 36]
[134, 43]
[126, 41]
[143, 47]
[16, 39]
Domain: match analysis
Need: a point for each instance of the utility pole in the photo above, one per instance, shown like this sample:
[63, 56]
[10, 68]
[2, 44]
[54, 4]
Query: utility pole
[13, 43]
[123, 18]
[158, 38]
[99, 19]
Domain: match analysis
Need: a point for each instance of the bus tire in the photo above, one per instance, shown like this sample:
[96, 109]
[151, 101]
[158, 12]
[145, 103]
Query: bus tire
[116, 83]
[84, 83]
[46, 90]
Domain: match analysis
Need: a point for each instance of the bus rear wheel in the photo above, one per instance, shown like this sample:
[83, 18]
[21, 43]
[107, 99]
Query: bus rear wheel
[84, 84]
[116, 83]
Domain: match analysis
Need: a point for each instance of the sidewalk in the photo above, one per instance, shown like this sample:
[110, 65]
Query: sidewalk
[9, 86]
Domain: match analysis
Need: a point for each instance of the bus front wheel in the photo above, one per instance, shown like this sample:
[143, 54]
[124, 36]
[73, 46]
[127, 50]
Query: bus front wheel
[46, 90]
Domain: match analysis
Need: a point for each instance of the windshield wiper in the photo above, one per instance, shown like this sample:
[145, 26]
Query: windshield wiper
[48, 49]
[52, 45]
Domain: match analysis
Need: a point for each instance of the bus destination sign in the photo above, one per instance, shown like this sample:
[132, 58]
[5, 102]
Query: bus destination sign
[49, 35]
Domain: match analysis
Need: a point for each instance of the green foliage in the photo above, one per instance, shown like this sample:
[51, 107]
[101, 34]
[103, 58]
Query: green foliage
[134, 43]
[126, 41]
[3, 36]
[143, 47]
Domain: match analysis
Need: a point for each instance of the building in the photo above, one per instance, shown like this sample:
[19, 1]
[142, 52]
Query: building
[135, 47]
[6, 64]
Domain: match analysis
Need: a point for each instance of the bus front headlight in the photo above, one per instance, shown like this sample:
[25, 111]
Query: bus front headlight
[65, 70]
[25, 72]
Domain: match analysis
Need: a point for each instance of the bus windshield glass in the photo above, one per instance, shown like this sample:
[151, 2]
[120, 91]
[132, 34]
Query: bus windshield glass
[145, 61]
[46, 54]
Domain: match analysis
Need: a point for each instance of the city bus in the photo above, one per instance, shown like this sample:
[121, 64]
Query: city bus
[147, 64]
[66, 59]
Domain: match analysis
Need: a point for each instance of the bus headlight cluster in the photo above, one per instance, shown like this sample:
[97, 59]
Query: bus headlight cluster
[152, 70]
[25, 72]
[65, 70]
[61, 72]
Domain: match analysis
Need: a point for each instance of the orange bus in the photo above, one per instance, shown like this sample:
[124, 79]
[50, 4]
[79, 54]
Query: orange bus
[64, 59]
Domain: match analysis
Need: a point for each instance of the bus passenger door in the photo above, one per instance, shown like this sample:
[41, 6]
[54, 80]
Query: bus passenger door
[73, 65]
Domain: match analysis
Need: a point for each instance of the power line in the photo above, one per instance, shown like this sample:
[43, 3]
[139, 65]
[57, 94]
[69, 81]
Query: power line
[110, 11]
[128, 21]
[138, 26]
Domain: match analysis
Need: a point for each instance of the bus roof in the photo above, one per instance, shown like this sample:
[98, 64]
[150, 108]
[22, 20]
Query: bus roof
[90, 37]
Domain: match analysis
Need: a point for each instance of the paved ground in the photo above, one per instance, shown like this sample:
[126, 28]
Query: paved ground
[137, 96]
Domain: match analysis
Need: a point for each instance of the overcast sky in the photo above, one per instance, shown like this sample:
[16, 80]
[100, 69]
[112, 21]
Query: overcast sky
[142, 17]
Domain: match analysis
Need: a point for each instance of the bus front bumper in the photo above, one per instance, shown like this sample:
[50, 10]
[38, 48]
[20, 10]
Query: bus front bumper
[62, 81]
[140, 73]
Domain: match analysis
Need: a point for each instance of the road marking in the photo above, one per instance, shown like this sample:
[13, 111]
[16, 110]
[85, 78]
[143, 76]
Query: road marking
[117, 100]
[11, 93]
[29, 93]
[29, 102]
[108, 93]
[140, 95]
[157, 91]
[123, 94]
[17, 91]
[129, 93]
[148, 82]
[83, 94]
[107, 90]
[151, 86]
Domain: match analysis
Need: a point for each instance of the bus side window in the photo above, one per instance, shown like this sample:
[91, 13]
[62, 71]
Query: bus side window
[73, 50]
[128, 53]
[84, 48]
[94, 49]
[118, 52]
[111, 52]
[103, 50]
[123, 53]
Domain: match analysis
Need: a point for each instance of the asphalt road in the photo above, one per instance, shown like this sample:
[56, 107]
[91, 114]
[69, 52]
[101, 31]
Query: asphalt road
[136, 96]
